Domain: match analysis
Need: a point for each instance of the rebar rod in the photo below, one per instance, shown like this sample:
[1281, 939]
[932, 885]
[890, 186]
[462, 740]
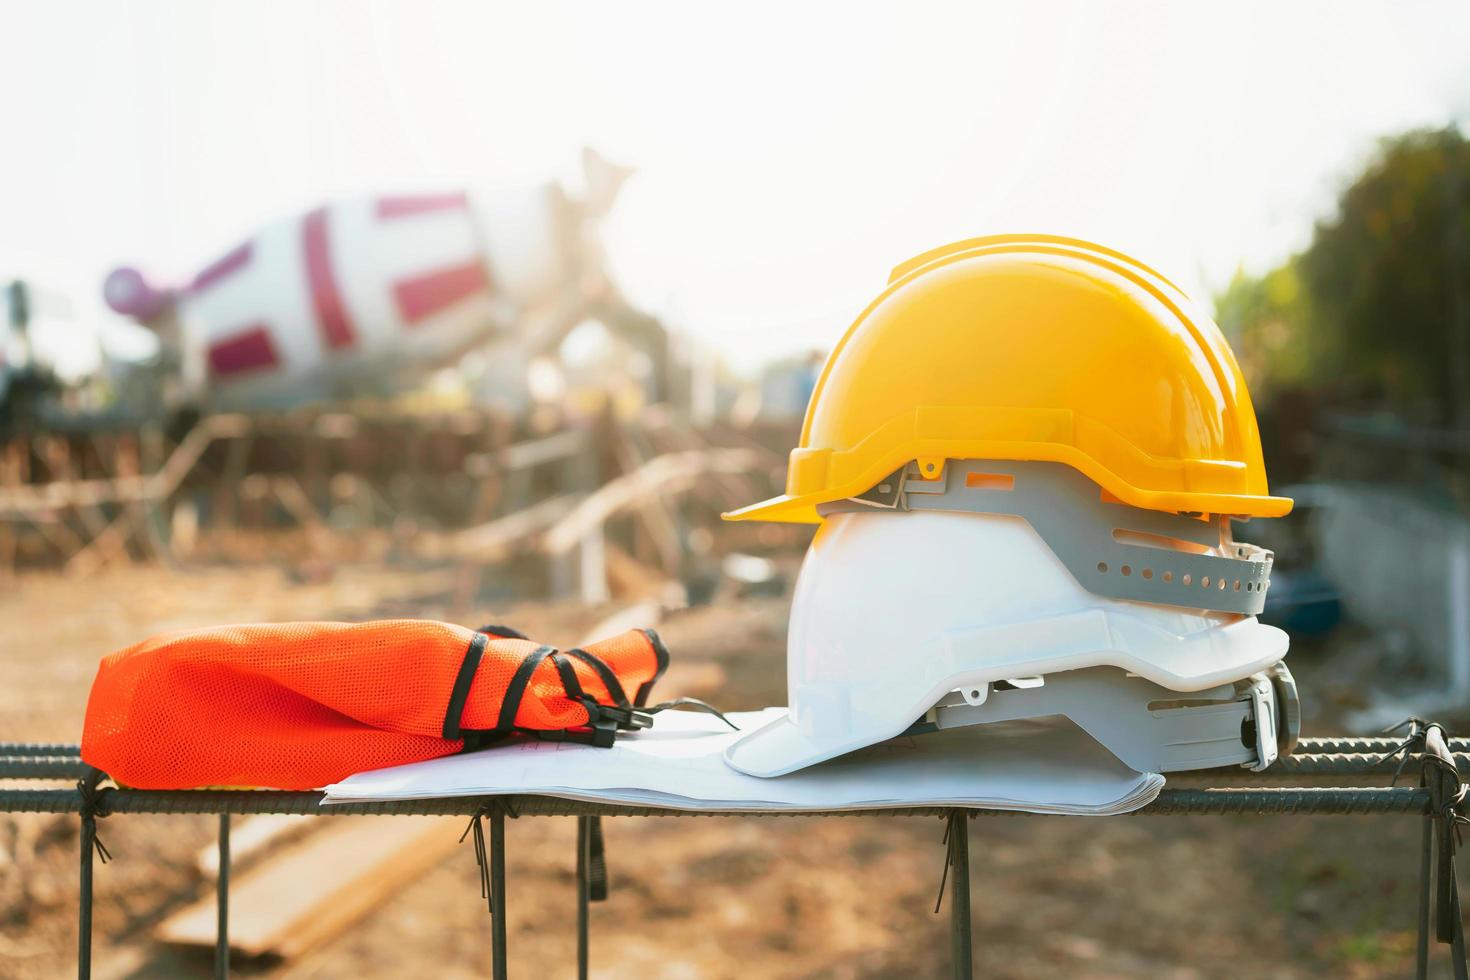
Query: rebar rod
[1367, 744]
[1336, 745]
[1309, 764]
[1328, 764]
[499, 955]
[222, 903]
[38, 748]
[962, 951]
[584, 894]
[88, 845]
[41, 767]
[1256, 800]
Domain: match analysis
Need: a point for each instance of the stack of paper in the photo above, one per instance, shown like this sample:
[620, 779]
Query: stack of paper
[679, 764]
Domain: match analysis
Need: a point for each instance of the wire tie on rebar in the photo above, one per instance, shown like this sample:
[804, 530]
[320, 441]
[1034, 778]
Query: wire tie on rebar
[92, 806]
[477, 828]
[949, 842]
[1408, 748]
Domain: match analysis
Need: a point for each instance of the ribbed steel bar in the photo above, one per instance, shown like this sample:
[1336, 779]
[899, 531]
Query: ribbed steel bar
[1326, 764]
[1322, 745]
[91, 806]
[41, 767]
[1365, 745]
[1342, 755]
[584, 895]
[499, 968]
[39, 748]
[1327, 744]
[962, 945]
[1309, 764]
[222, 903]
[88, 844]
[1254, 800]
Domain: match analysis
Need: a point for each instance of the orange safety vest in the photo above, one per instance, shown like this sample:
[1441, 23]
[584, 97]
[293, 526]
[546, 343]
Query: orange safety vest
[301, 705]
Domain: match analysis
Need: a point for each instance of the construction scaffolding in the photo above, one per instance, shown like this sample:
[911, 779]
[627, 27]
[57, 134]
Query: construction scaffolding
[468, 488]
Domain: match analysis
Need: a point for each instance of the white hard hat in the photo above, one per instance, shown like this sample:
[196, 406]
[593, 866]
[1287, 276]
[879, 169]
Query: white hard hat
[957, 601]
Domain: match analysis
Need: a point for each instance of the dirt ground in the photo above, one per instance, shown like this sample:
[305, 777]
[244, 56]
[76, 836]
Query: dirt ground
[767, 897]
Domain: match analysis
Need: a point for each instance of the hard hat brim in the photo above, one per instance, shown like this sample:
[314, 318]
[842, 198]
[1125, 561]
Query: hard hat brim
[779, 747]
[785, 509]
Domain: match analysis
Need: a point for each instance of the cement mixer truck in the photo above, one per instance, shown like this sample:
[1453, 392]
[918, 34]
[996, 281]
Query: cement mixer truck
[365, 294]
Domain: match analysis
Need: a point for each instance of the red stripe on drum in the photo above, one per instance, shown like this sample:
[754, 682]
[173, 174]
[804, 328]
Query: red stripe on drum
[245, 352]
[423, 296]
[332, 319]
[408, 205]
[222, 268]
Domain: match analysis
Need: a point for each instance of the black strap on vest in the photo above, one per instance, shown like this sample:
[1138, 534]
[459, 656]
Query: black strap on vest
[661, 657]
[604, 674]
[602, 726]
[604, 721]
[453, 714]
[510, 704]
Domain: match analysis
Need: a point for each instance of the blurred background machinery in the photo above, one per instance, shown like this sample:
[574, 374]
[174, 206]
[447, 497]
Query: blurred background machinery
[436, 377]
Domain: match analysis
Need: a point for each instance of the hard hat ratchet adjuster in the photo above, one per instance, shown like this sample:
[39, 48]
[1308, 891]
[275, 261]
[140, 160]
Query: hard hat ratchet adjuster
[1249, 723]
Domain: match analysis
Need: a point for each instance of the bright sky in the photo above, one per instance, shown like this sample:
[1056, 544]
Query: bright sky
[788, 154]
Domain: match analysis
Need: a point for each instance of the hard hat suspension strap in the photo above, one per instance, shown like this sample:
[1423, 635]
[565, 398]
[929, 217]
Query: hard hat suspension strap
[1082, 529]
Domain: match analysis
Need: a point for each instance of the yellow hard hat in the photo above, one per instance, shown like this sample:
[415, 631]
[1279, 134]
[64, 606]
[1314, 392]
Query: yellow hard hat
[1032, 347]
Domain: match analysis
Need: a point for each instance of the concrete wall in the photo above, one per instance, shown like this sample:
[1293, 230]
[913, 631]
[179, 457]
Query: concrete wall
[1403, 564]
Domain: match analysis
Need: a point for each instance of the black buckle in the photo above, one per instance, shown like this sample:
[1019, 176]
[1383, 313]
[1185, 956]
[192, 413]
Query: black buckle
[629, 718]
[604, 732]
[599, 732]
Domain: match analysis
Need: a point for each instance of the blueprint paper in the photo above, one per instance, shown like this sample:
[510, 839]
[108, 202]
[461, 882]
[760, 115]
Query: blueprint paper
[679, 764]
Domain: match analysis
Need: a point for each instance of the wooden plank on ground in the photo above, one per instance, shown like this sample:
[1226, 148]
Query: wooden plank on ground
[310, 891]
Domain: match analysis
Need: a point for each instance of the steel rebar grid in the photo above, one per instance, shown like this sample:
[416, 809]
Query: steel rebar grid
[1383, 763]
[1332, 757]
[1323, 800]
[1320, 745]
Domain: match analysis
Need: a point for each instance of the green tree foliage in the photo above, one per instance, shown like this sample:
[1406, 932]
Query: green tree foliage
[1379, 304]
[1270, 326]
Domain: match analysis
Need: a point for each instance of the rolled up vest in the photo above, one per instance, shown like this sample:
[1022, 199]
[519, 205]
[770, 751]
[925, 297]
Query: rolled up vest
[301, 705]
